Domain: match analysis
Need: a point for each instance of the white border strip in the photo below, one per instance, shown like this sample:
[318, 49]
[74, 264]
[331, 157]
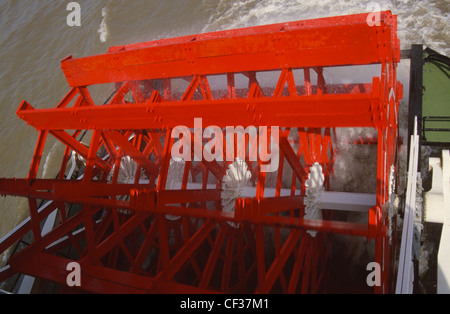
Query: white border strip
[405, 275]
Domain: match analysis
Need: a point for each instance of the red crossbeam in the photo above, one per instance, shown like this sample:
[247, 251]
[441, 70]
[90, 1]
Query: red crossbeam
[309, 111]
[320, 42]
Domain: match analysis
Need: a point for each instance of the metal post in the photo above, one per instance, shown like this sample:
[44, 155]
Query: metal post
[415, 94]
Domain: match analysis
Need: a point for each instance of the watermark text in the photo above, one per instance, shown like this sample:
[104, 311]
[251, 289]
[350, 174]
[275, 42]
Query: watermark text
[263, 143]
[374, 277]
[74, 17]
[73, 279]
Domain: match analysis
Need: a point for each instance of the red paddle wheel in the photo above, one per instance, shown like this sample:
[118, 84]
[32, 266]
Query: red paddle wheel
[138, 220]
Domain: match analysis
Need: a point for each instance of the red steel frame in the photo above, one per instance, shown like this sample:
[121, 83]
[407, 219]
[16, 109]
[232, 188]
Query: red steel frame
[140, 251]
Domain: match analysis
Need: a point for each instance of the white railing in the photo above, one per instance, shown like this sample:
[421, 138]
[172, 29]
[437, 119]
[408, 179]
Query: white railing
[405, 275]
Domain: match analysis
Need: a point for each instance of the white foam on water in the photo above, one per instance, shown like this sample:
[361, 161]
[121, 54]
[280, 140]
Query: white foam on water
[419, 22]
[103, 30]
